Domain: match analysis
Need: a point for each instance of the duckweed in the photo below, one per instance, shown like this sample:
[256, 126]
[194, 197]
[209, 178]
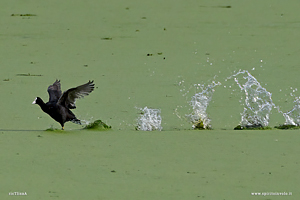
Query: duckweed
[97, 125]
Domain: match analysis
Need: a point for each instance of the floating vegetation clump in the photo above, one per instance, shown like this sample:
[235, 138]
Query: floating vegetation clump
[216, 6]
[151, 54]
[54, 129]
[106, 38]
[24, 15]
[252, 127]
[199, 125]
[287, 126]
[29, 74]
[97, 125]
[149, 120]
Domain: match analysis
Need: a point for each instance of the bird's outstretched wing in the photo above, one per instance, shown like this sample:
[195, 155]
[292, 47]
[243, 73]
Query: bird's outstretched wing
[68, 98]
[54, 91]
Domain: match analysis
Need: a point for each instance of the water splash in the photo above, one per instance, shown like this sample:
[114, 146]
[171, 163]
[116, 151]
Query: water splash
[86, 120]
[292, 117]
[199, 103]
[258, 101]
[149, 120]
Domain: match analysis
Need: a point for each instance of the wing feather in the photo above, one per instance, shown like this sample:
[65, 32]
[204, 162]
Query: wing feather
[54, 91]
[68, 98]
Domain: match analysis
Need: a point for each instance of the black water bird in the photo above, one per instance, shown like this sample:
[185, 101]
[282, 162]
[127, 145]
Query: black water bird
[59, 104]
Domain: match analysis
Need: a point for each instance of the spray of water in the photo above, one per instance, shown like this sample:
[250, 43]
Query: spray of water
[258, 101]
[85, 120]
[149, 119]
[292, 117]
[199, 104]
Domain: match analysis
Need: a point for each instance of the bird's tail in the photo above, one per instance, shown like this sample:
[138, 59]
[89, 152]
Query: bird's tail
[76, 121]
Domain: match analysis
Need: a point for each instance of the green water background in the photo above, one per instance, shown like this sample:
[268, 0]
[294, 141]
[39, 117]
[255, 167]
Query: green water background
[109, 42]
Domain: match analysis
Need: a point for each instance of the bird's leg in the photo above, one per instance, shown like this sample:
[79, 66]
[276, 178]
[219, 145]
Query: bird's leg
[62, 128]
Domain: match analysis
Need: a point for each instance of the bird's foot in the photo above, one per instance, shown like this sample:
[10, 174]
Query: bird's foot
[62, 128]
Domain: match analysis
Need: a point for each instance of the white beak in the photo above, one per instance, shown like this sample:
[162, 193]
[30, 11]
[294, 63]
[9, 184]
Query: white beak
[34, 102]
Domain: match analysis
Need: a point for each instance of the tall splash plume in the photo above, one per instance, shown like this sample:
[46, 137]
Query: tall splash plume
[199, 103]
[258, 101]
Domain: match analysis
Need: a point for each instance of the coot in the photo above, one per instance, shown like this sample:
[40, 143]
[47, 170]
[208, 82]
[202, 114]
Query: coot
[59, 104]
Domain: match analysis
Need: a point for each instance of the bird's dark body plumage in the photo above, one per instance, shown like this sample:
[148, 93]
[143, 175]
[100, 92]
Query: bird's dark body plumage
[59, 104]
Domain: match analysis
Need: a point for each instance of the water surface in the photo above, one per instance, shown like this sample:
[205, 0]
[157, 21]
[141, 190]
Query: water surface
[137, 52]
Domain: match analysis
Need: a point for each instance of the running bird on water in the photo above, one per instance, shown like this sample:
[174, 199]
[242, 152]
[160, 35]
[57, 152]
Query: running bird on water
[59, 104]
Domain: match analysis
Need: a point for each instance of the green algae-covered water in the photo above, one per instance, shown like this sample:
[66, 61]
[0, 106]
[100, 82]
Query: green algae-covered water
[139, 53]
[149, 165]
